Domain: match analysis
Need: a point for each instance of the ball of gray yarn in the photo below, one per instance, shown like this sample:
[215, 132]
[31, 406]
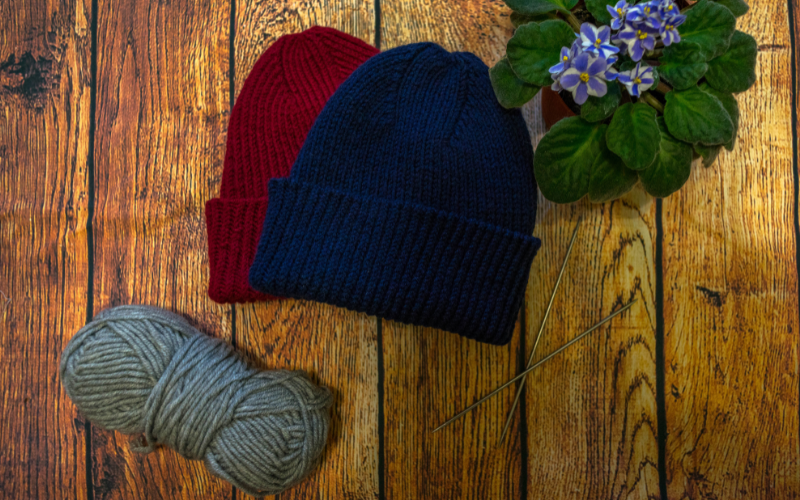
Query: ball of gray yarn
[143, 370]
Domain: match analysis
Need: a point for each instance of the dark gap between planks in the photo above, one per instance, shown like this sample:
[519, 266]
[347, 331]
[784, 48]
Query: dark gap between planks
[87, 426]
[795, 174]
[661, 404]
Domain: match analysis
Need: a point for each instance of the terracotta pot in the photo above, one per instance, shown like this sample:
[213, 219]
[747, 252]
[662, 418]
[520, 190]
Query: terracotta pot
[554, 109]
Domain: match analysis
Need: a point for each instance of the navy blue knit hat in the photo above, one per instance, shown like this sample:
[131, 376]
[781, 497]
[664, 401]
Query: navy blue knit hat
[413, 198]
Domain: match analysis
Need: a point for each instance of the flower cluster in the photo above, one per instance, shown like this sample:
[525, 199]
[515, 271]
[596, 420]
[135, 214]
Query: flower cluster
[586, 68]
[642, 24]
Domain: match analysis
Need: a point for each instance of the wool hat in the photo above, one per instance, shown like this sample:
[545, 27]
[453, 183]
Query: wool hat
[413, 199]
[282, 96]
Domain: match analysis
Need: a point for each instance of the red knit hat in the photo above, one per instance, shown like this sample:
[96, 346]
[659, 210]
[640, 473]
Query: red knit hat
[281, 98]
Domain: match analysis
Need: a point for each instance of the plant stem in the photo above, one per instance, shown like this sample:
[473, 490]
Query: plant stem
[663, 88]
[573, 21]
[650, 99]
[658, 52]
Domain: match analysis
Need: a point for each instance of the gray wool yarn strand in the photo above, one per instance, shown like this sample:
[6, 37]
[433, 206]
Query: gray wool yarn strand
[142, 370]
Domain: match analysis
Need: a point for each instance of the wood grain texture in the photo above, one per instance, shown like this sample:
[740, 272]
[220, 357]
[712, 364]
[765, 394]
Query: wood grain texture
[430, 374]
[162, 109]
[730, 298]
[730, 278]
[45, 100]
[591, 412]
[338, 348]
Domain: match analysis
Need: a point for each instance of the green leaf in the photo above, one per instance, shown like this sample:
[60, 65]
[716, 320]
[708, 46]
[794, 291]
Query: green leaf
[633, 135]
[518, 19]
[540, 6]
[709, 153]
[535, 48]
[671, 169]
[511, 92]
[598, 9]
[564, 158]
[735, 70]
[610, 178]
[696, 116]
[731, 106]
[709, 25]
[737, 7]
[682, 65]
[597, 109]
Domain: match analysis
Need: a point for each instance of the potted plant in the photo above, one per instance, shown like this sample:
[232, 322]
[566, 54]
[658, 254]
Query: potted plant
[650, 84]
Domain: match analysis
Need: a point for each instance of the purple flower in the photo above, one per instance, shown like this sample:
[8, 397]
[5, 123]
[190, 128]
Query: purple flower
[586, 77]
[669, 29]
[567, 56]
[611, 71]
[597, 40]
[618, 13]
[637, 80]
[667, 9]
[637, 38]
[642, 12]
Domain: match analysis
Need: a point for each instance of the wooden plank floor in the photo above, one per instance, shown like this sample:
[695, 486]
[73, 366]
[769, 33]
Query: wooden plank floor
[113, 116]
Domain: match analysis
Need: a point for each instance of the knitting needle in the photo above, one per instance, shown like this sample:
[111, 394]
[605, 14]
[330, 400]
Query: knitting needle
[537, 365]
[541, 329]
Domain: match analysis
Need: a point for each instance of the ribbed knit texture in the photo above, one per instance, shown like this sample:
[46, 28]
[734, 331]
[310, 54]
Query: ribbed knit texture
[413, 199]
[281, 98]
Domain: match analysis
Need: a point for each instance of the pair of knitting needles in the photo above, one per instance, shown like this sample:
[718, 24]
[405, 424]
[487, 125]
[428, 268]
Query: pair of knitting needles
[522, 376]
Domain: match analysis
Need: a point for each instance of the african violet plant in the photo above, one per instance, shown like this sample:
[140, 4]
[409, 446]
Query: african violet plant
[652, 83]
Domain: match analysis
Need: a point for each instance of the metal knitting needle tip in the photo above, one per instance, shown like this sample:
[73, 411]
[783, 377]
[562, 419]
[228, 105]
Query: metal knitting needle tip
[541, 329]
[535, 366]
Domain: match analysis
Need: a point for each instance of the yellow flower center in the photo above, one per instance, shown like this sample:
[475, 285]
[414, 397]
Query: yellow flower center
[598, 42]
[619, 12]
[584, 77]
[641, 35]
[670, 7]
[647, 10]
[566, 58]
[637, 80]
[670, 27]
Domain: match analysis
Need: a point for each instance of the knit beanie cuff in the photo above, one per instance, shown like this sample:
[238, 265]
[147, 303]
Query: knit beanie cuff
[232, 246]
[397, 260]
